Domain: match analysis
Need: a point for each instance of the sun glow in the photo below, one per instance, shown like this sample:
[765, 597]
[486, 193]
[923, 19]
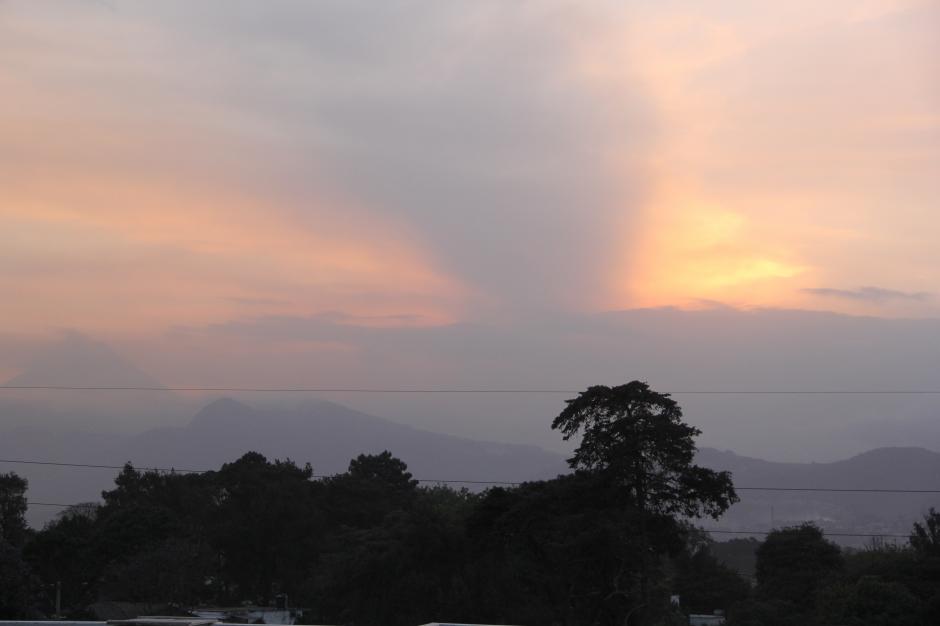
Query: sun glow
[698, 252]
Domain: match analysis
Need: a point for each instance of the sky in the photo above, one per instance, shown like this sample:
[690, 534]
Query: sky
[217, 186]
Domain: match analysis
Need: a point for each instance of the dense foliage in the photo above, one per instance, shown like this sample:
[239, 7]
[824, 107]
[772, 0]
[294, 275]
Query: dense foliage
[605, 545]
[803, 579]
[17, 583]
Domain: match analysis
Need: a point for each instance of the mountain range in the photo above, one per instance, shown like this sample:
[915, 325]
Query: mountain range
[890, 489]
[328, 435]
[323, 433]
[72, 428]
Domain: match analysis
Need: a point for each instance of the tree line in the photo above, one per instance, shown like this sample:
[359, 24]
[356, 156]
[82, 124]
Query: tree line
[608, 544]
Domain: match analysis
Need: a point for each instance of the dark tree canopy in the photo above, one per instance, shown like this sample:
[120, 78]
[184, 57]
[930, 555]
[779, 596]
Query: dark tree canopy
[605, 545]
[925, 538]
[64, 553]
[265, 521]
[870, 602]
[794, 563]
[636, 437]
[16, 601]
[375, 486]
[705, 584]
[569, 551]
[16, 585]
[635, 444]
[12, 509]
[384, 469]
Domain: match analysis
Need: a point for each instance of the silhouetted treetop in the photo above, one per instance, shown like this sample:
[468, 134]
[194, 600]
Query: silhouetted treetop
[925, 538]
[636, 437]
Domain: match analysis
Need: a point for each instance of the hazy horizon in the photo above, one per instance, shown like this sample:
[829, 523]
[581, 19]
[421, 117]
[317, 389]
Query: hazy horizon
[482, 194]
[677, 351]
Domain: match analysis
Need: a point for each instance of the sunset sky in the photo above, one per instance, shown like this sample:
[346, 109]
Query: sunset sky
[424, 193]
[179, 163]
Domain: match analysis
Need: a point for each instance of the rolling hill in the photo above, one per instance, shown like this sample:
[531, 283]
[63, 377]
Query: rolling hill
[863, 511]
[78, 428]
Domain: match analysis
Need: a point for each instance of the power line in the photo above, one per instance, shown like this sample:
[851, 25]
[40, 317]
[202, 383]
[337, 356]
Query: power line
[94, 466]
[283, 389]
[58, 504]
[825, 534]
[469, 390]
[708, 530]
[837, 490]
[204, 471]
[468, 482]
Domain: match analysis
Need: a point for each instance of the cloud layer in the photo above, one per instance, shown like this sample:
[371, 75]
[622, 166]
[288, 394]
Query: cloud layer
[869, 294]
[459, 194]
[177, 163]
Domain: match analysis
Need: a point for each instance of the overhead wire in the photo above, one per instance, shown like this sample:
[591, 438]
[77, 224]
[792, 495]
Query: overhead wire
[508, 483]
[457, 390]
[723, 531]
[462, 481]
[720, 531]
[206, 471]
[389, 390]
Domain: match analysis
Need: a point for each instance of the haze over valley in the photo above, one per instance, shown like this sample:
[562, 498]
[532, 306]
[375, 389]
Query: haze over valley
[186, 431]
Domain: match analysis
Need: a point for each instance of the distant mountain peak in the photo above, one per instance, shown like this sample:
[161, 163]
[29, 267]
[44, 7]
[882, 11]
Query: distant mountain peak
[896, 452]
[889, 455]
[223, 413]
[76, 360]
[225, 404]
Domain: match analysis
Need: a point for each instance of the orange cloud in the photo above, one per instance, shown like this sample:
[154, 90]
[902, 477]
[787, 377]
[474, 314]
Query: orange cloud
[143, 167]
[782, 153]
[94, 252]
[135, 197]
[696, 252]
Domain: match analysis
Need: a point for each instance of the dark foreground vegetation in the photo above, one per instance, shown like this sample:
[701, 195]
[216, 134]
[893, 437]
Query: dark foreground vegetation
[605, 545]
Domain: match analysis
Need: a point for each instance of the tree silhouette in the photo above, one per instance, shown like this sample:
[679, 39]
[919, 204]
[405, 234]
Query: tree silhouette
[635, 439]
[925, 538]
[16, 599]
[13, 530]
